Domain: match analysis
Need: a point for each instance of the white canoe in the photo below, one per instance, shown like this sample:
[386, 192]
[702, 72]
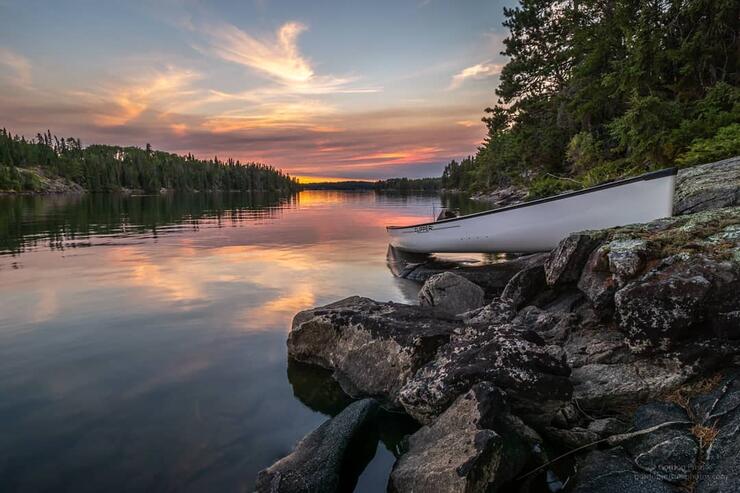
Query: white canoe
[539, 225]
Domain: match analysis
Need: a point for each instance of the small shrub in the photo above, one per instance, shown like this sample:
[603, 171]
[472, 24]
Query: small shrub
[610, 171]
[545, 186]
[705, 435]
[583, 152]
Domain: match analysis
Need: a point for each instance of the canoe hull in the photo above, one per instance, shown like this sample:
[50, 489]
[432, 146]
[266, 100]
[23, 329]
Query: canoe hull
[540, 225]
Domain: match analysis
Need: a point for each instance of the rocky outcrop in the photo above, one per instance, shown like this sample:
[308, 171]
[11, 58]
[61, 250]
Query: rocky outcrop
[709, 186]
[470, 448]
[316, 463]
[683, 294]
[451, 293]
[372, 348]
[503, 197]
[692, 447]
[45, 182]
[666, 280]
[567, 343]
[533, 374]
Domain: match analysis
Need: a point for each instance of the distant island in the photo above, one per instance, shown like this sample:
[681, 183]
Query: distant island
[51, 164]
[389, 185]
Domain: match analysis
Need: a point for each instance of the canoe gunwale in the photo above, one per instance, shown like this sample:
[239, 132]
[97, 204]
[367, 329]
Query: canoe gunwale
[644, 177]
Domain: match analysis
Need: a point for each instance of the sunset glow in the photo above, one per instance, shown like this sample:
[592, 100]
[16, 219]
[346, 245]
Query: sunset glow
[308, 88]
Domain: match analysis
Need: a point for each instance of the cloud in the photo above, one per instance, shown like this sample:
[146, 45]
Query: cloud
[278, 58]
[19, 67]
[287, 117]
[161, 90]
[478, 71]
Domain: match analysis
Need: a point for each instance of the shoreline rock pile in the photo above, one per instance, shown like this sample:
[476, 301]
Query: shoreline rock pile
[620, 349]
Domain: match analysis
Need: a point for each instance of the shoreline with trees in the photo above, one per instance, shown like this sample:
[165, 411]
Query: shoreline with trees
[48, 164]
[594, 92]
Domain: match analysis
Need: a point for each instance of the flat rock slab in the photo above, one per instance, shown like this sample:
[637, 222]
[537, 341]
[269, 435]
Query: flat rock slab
[373, 348]
[612, 471]
[532, 373]
[316, 462]
[599, 385]
[709, 186]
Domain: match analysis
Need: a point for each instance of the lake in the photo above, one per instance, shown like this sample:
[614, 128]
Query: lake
[142, 338]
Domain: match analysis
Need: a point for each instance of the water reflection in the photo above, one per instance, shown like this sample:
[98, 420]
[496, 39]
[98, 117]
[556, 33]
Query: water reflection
[315, 388]
[142, 339]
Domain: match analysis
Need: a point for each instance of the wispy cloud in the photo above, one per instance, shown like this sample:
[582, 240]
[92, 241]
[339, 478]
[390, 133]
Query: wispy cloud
[17, 68]
[163, 91]
[477, 71]
[278, 57]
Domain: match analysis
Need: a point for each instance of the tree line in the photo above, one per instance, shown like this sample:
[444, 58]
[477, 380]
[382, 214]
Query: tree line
[104, 168]
[594, 90]
[390, 185]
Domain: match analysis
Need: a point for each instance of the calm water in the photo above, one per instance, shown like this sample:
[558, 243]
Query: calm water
[142, 339]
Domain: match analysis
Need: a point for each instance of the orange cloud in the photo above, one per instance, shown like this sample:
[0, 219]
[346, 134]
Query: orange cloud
[163, 90]
[278, 58]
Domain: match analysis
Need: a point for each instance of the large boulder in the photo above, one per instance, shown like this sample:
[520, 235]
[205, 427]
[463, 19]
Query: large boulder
[598, 385]
[709, 186]
[525, 285]
[666, 280]
[597, 281]
[452, 293]
[533, 374]
[373, 348]
[318, 460]
[469, 448]
[681, 297]
[566, 261]
[608, 268]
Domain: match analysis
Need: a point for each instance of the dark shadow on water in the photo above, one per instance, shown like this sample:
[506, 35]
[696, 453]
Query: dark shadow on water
[315, 387]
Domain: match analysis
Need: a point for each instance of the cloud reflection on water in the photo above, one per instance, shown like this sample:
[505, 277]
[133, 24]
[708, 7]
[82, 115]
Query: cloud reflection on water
[156, 355]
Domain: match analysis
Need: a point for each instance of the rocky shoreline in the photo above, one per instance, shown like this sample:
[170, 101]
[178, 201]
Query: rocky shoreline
[610, 364]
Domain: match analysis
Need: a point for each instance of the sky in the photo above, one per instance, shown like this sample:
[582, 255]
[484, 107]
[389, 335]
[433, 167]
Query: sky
[321, 89]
